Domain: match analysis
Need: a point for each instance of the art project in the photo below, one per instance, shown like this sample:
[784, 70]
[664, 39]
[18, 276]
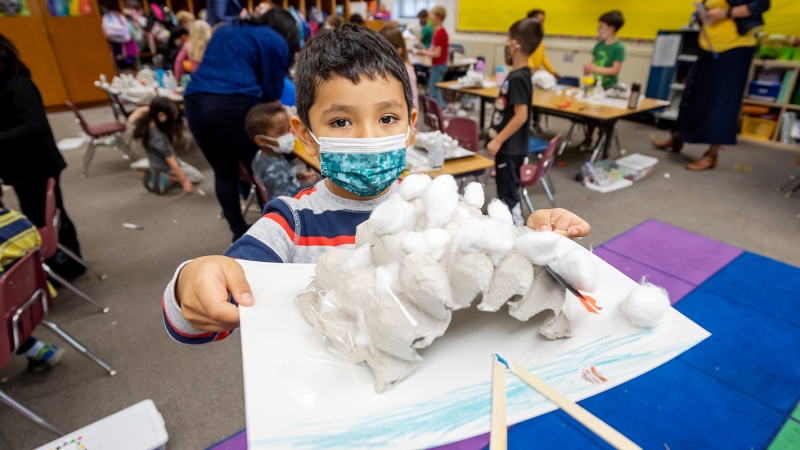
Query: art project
[308, 392]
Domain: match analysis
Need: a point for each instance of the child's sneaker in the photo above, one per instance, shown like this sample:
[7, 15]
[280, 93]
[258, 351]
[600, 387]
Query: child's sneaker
[47, 358]
[156, 181]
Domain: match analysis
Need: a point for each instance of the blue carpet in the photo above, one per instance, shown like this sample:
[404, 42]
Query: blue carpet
[732, 390]
[762, 283]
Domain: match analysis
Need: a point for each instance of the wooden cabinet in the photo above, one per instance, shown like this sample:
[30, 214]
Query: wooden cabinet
[65, 54]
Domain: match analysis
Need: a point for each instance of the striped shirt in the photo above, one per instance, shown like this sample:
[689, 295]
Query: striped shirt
[292, 230]
[18, 236]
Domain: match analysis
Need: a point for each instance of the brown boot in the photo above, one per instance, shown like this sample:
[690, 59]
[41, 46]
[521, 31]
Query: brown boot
[673, 141]
[708, 161]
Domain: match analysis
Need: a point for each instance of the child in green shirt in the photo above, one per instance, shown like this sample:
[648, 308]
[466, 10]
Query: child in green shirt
[608, 53]
[426, 30]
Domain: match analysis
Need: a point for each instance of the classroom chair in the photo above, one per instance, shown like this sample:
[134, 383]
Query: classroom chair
[99, 134]
[433, 114]
[253, 193]
[530, 174]
[50, 245]
[536, 145]
[465, 131]
[24, 303]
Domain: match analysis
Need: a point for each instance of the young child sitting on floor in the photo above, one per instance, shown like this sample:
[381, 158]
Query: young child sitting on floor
[159, 127]
[268, 126]
[354, 113]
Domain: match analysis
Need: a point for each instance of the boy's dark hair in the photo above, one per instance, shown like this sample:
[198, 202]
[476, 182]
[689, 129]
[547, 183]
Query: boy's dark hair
[357, 19]
[172, 127]
[259, 118]
[528, 34]
[613, 19]
[284, 24]
[335, 20]
[423, 14]
[532, 13]
[350, 51]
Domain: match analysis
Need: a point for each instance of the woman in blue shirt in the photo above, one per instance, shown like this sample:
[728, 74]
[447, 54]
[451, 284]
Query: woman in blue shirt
[244, 64]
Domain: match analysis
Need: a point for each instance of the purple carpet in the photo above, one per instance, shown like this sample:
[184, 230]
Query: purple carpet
[670, 257]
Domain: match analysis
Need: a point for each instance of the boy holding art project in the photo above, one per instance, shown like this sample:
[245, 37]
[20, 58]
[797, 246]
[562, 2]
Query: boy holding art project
[355, 113]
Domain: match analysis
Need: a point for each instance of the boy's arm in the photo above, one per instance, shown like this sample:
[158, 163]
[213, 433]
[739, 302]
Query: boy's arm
[187, 185]
[200, 302]
[608, 71]
[519, 120]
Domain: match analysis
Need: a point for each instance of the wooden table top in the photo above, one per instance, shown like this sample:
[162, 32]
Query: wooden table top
[550, 100]
[455, 167]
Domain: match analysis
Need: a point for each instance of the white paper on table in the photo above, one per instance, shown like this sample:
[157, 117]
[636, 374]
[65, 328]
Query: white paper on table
[300, 395]
[665, 52]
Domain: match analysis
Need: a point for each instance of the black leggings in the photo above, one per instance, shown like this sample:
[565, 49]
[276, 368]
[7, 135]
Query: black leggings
[31, 202]
[217, 124]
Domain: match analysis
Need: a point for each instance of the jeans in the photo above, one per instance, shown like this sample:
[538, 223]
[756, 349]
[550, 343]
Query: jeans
[436, 76]
[217, 124]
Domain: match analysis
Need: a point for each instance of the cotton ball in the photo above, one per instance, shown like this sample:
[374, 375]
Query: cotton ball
[499, 211]
[436, 240]
[441, 201]
[474, 196]
[387, 278]
[359, 258]
[414, 242]
[387, 218]
[410, 215]
[538, 246]
[467, 237]
[646, 305]
[413, 186]
[577, 269]
[497, 239]
[463, 213]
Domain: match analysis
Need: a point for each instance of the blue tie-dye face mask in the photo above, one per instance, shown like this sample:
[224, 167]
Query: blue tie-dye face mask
[363, 166]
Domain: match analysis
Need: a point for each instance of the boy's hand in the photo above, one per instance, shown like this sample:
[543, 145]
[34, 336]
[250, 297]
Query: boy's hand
[202, 293]
[492, 147]
[559, 220]
[588, 68]
[188, 187]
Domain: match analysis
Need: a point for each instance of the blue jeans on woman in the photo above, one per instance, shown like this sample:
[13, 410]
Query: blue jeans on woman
[436, 75]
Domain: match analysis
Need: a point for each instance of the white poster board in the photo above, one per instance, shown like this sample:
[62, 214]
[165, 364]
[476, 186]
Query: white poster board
[300, 395]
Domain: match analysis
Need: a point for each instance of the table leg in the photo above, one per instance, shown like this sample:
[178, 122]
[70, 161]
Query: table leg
[483, 115]
[601, 144]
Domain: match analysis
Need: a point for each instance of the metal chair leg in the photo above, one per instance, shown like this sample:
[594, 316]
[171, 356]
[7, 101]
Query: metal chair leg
[28, 414]
[120, 143]
[87, 158]
[567, 139]
[550, 182]
[600, 144]
[616, 140]
[527, 200]
[78, 346]
[250, 197]
[72, 288]
[80, 260]
[547, 191]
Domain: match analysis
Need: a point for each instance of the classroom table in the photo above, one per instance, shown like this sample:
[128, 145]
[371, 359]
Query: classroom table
[455, 167]
[603, 113]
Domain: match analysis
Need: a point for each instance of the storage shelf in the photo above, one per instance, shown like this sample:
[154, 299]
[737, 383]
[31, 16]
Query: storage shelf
[752, 101]
[776, 63]
[793, 107]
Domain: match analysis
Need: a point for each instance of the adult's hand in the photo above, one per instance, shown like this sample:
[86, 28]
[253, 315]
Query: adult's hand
[202, 293]
[560, 221]
[716, 14]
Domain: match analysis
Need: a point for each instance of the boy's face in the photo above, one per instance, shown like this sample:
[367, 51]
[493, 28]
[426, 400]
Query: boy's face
[370, 109]
[604, 31]
[539, 17]
[280, 125]
[436, 19]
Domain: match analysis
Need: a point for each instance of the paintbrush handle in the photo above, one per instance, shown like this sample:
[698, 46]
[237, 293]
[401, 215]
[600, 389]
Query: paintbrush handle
[597, 426]
[498, 439]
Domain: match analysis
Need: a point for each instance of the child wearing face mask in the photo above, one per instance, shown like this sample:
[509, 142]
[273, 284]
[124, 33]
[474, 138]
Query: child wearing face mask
[512, 113]
[268, 126]
[159, 127]
[355, 113]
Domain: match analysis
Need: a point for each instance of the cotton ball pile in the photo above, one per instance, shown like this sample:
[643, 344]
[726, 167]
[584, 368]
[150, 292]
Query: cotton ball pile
[474, 195]
[539, 246]
[413, 186]
[441, 201]
[577, 269]
[387, 218]
[646, 305]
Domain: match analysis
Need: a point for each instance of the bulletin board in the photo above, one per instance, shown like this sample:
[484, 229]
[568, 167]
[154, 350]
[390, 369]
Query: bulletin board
[579, 17]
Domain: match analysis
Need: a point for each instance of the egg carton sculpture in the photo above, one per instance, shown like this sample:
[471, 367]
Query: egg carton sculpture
[424, 253]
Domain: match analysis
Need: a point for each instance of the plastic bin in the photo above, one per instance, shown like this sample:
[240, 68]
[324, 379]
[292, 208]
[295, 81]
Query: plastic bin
[764, 90]
[636, 166]
[758, 128]
[138, 427]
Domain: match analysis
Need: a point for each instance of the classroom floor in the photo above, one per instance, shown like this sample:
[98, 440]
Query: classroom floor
[199, 391]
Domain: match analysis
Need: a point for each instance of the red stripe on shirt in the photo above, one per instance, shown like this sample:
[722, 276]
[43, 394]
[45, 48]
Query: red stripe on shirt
[305, 192]
[164, 308]
[222, 335]
[310, 241]
[280, 220]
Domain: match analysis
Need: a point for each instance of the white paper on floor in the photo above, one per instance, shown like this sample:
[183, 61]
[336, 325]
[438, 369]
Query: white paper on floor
[300, 395]
[72, 143]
